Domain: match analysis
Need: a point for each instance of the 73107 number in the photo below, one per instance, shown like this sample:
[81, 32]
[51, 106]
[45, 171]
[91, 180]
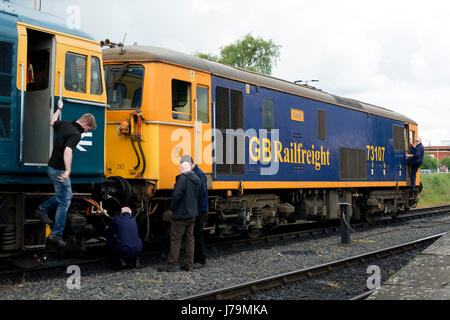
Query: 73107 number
[375, 153]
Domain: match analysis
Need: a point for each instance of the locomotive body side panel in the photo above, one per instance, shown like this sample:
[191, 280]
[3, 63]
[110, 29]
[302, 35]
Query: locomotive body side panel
[294, 155]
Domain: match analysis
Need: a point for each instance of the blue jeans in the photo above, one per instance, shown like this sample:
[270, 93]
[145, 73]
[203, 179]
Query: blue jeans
[61, 200]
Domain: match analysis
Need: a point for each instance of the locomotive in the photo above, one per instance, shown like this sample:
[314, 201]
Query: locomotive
[274, 152]
[42, 61]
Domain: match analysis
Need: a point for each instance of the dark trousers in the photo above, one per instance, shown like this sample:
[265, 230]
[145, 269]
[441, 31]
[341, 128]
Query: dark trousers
[413, 175]
[199, 252]
[118, 253]
[181, 232]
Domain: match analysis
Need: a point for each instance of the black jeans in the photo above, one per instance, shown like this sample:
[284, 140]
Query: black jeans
[199, 251]
[413, 175]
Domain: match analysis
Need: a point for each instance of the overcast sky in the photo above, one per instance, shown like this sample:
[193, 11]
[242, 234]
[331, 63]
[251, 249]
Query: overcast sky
[392, 53]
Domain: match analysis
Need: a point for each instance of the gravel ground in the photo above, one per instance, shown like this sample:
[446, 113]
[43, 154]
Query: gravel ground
[342, 284]
[224, 268]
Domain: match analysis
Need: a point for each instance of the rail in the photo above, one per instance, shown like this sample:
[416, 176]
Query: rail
[251, 287]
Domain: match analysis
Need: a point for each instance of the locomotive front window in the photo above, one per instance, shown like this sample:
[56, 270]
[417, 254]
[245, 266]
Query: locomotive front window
[181, 100]
[75, 78]
[124, 86]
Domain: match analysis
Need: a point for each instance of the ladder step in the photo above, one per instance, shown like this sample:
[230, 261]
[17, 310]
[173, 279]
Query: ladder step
[34, 247]
[33, 221]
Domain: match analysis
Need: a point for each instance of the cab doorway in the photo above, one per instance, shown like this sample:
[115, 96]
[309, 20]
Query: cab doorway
[39, 102]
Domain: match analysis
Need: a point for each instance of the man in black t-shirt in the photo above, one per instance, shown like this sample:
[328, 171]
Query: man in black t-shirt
[68, 135]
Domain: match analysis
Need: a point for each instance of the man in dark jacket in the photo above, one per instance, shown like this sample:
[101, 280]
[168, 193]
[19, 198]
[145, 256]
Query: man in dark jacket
[415, 160]
[199, 252]
[123, 238]
[184, 206]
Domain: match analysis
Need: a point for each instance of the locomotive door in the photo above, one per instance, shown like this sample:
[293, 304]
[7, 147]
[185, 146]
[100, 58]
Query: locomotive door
[407, 150]
[201, 125]
[38, 106]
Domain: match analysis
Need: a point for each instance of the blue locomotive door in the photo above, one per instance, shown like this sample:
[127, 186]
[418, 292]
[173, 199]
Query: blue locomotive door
[37, 133]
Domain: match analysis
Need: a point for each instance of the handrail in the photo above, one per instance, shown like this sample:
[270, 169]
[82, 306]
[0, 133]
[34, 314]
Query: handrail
[22, 107]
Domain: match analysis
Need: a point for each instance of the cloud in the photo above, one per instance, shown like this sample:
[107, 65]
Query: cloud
[389, 53]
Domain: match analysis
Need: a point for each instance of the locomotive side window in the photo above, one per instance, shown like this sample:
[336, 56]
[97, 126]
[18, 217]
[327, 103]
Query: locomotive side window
[321, 125]
[268, 114]
[202, 105]
[399, 138]
[237, 110]
[5, 89]
[181, 100]
[124, 86]
[75, 78]
[96, 76]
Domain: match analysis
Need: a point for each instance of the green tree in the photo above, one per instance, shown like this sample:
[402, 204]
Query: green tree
[445, 161]
[255, 54]
[428, 162]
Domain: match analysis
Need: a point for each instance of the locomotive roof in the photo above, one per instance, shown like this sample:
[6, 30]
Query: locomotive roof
[40, 19]
[141, 53]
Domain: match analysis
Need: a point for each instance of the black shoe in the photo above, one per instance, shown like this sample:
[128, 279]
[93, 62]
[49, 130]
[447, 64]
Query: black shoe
[117, 264]
[167, 269]
[39, 214]
[199, 265]
[184, 268]
[57, 239]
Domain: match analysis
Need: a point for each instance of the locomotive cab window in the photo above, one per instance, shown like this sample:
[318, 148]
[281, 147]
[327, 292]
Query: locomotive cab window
[399, 138]
[181, 100]
[268, 114]
[124, 85]
[202, 104]
[96, 76]
[321, 125]
[75, 78]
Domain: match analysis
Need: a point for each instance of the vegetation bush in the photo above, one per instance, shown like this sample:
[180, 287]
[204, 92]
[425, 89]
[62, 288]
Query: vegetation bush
[436, 189]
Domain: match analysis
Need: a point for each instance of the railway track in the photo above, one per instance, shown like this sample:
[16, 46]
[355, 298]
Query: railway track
[251, 287]
[312, 229]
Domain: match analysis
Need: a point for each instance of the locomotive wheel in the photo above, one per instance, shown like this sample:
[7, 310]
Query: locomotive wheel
[254, 233]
